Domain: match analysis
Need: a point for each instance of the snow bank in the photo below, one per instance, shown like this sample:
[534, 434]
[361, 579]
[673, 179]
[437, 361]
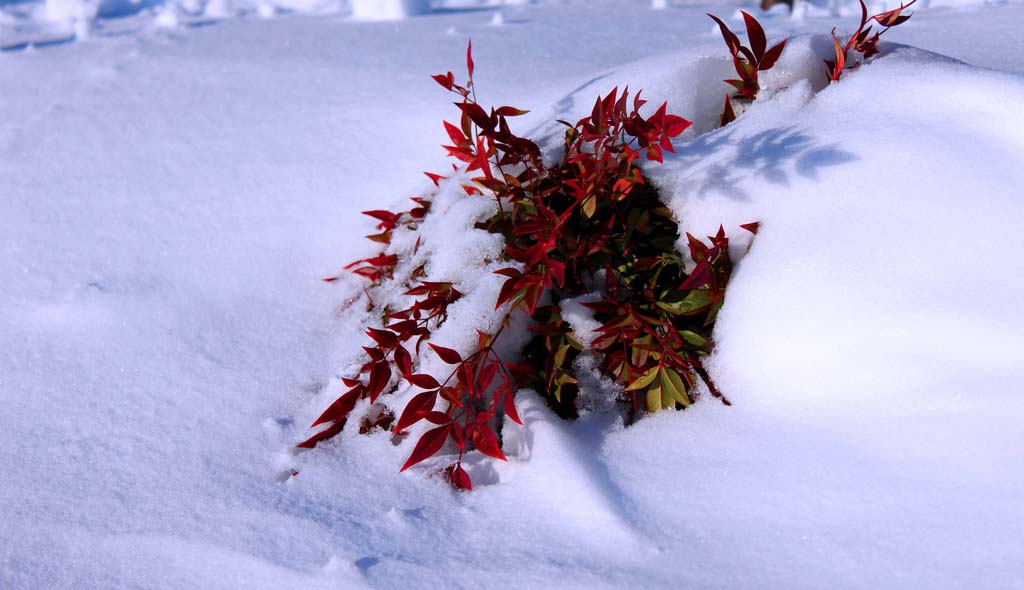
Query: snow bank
[172, 201]
[875, 315]
[388, 9]
[46, 22]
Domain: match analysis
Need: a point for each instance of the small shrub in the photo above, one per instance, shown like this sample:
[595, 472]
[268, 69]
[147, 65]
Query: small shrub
[862, 41]
[587, 225]
[748, 61]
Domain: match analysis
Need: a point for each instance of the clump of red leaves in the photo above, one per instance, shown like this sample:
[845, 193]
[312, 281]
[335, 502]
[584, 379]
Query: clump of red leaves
[862, 41]
[589, 224]
[748, 61]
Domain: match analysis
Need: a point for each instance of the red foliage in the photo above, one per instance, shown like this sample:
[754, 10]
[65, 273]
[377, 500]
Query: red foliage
[748, 61]
[590, 215]
[862, 41]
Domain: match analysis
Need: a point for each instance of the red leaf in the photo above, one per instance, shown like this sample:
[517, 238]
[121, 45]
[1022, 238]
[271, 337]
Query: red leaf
[458, 477]
[455, 134]
[701, 276]
[462, 154]
[485, 442]
[749, 61]
[429, 444]
[451, 395]
[341, 407]
[405, 328]
[386, 217]
[376, 355]
[659, 115]
[415, 409]
[891, 18]
[675, 125]
[435, 178]
[772, 56]
[532, 297]
[469, 58]
[728, 115]
[508, 272]
[486, 376]
[385, 338]
[731, 40]
[380, 374]
[445, 80]
[508, 290]
[437, 417]
[476, 114]
[510, 407]
[458, 436]
[423, 380]
[756, 35]
[481, 161]
[751, 227]
[511, 112]
[382, 260]
[464, 374]
[403, 359]
[323, 435]
[556, 270]
[840, 62]
[447, 355]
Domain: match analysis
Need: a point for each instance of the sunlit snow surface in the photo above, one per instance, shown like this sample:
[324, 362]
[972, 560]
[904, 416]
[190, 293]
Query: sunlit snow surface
[171, 196]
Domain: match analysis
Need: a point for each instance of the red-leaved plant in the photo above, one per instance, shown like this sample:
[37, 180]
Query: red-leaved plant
[862, 41]
[588, 224]
[748, 61]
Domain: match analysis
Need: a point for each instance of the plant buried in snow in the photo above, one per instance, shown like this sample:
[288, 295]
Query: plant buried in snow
[588, 224]
[748, 61]
[862, 41]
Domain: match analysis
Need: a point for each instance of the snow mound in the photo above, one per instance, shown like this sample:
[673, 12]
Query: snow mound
[871, 345]
[172, 201]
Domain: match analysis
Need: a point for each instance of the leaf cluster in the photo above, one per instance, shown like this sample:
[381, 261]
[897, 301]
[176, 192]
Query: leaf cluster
[748, 61]
[589, 225]
[862, 41]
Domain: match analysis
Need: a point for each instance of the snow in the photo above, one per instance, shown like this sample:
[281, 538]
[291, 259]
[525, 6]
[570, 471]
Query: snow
[388, 9]
[172, 196]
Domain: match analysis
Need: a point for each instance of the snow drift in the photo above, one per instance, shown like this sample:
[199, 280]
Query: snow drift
[854, 339]
[172, 201]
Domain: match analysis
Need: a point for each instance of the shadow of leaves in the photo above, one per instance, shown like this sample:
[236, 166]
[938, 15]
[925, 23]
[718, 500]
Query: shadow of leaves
[720, 160]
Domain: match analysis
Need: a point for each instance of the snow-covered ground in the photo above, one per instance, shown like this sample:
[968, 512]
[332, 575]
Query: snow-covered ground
[170, 198]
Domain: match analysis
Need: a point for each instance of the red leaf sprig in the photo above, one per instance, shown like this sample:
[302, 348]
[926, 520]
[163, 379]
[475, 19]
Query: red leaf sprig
[862, 41]
[748, 61]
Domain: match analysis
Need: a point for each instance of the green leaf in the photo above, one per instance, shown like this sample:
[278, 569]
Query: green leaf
[561, 380]
[563, 349]
[694, 339]
[645, 379]
[654, 399]
[589, 206]
[638, 351]
[672, 384]
[713, 314]
[695, 301]
[564, 378]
